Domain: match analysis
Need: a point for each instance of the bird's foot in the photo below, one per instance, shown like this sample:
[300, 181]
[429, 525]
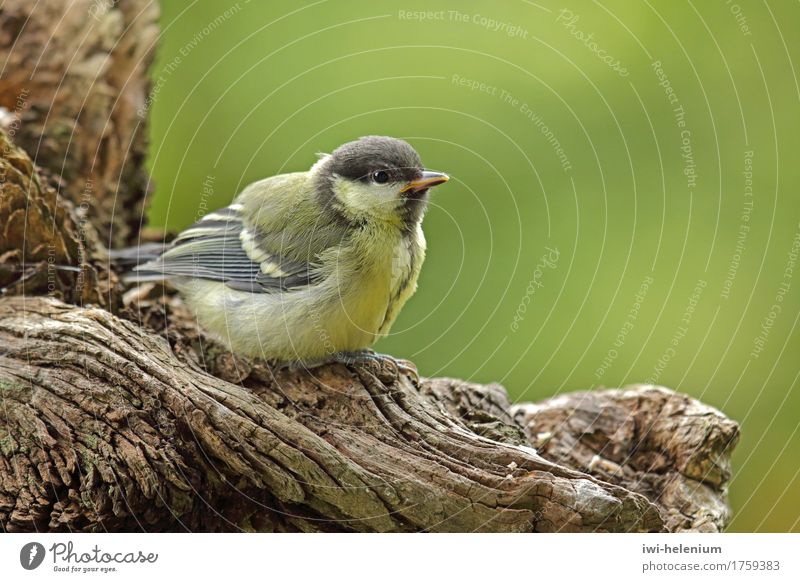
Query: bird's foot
[355, 358]
[369, 356]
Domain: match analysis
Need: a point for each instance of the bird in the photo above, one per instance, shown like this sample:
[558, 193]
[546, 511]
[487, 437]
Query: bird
[308, 267]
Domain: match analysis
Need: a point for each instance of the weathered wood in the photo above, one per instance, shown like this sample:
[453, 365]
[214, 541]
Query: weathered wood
[74, 85]
[45, 247]
[105, 427]
[119, 414]
[667, 446]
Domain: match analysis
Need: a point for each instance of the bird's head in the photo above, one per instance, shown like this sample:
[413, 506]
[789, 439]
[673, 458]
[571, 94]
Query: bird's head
[376, 178]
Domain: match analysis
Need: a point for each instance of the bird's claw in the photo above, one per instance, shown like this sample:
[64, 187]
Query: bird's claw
[401, 366]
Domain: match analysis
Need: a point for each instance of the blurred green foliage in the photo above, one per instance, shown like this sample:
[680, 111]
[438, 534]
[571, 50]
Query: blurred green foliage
[559, 134]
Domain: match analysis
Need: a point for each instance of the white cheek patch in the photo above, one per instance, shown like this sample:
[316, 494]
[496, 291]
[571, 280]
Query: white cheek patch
[376, 200]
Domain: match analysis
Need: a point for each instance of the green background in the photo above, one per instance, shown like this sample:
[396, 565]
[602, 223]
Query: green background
[258, 90]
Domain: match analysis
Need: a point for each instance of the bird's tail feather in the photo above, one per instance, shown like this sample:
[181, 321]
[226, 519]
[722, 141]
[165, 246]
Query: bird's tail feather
[142, 276]
[131, 257]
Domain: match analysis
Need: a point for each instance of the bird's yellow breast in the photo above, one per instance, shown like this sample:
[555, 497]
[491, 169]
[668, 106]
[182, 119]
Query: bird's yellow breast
[374, 278]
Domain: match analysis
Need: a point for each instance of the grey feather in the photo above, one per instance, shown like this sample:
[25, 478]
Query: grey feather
[132, 256]
[212, 249]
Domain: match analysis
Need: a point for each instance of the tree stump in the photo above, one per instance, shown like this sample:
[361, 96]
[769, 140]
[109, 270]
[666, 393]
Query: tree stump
[119, 414]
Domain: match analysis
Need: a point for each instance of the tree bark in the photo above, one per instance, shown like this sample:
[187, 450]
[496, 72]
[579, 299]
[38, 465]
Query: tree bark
[119, 414]
[74, 84]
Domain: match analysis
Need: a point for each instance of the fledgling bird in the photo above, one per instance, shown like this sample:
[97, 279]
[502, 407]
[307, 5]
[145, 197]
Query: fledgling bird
[312, 266]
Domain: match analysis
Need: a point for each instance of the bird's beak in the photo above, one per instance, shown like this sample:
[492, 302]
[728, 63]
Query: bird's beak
[428, 180]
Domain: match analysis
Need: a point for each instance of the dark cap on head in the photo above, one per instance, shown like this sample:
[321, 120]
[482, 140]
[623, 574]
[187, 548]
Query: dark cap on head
[357, 159]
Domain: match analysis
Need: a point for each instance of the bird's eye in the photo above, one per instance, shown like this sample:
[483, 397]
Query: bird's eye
[380, 177]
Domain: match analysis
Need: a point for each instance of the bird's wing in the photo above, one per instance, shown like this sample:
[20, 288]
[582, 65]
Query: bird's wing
[221, 248]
